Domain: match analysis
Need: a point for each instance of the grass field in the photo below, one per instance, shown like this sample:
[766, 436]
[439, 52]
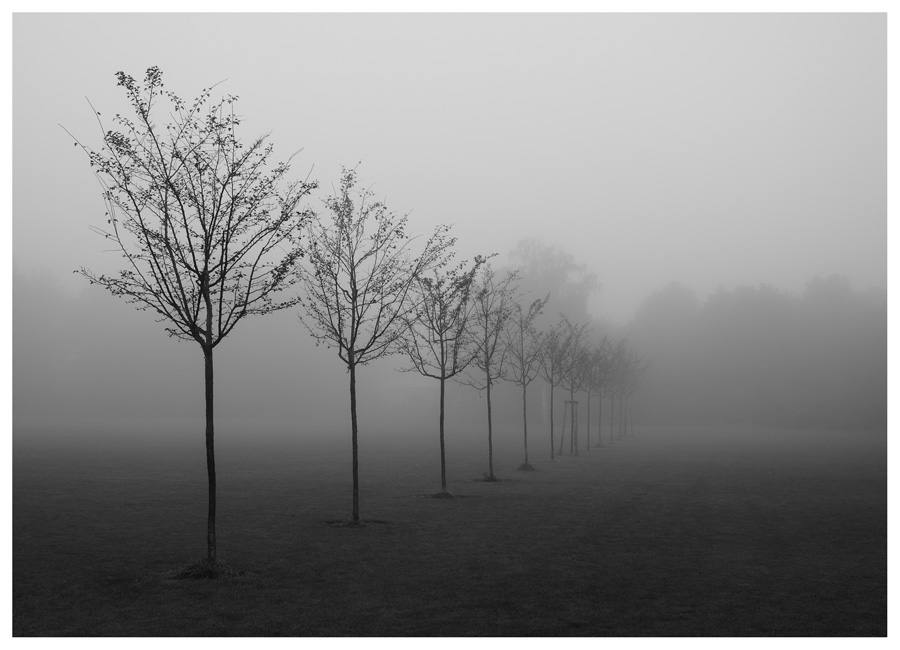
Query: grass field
[686, 532]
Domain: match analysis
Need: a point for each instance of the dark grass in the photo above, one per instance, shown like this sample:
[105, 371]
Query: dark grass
[671, 533]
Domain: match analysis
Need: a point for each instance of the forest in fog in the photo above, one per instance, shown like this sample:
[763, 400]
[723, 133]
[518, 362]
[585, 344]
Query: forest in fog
[764, 356]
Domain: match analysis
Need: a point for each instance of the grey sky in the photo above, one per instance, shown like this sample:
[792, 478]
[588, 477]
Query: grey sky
[706, 149]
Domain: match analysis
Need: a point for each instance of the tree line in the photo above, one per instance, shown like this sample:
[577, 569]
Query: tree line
[211, 231]
[759, 355]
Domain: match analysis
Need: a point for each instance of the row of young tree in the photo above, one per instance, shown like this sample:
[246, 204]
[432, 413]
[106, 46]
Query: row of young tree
[210, 233]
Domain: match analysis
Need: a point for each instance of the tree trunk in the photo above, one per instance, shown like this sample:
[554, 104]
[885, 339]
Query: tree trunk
[210, 456]
[443, 460]
[599, 419]
[573, 442]
[525, 420]
[354, 436]
[552, 444]
[587, 425]
[490, 431]
[562, 428]
[612, 416]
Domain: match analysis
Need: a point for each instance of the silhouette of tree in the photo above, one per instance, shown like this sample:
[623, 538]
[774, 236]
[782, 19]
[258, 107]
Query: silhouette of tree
[547, 269]
[206, 232]
[524, 345]
[595, 382]
[438, 340]
[572, 375]
[553, 353]
[493, 308]
[358, 283]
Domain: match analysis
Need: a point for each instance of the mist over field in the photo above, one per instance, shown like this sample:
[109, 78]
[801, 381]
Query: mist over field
[705, 194]
[754, 355]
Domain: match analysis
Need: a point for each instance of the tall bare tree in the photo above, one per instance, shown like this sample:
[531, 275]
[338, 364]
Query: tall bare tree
[572, 375]
[438, 339]
[597, 385]
[553, 353]
[358, 283]
[206, 227]
[493, 308]
[524, 345]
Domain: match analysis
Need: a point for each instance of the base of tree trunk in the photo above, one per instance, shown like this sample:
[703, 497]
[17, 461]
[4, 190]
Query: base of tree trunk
[490, 479]
[526, 467]
[206, 570]
[442, 495]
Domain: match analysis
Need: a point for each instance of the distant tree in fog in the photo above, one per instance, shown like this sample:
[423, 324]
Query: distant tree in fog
[595, 379]
[759, 354]
[438, 338]
[572, 376]
[546, 268]
[627, 371]
[206, 227]
[617, 367]
[553, 352]
[493, 307]
[633, 375]
[359, 284]
[524, 346]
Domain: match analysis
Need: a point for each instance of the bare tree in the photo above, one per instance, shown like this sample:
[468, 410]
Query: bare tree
[493, 308]
[207, 230]
[553, 353]
[358, 283]
[572, 375]
[524, 346]
[438, 338]
[617, 371]
[597, 384]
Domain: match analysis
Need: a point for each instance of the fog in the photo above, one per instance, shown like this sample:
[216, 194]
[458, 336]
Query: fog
[734, 163]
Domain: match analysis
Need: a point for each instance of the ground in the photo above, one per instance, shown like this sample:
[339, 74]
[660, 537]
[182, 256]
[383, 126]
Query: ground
[704, 531]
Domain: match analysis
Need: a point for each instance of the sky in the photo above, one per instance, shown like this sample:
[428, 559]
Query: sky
[711, 150]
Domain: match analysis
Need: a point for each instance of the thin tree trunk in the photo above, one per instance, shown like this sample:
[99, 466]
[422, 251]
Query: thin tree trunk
[354, 436]
[525, 420]
[210, 455]
[573, 425]
[599, 418]
[587, 425]
[562, 428]
[552, 444]
[612, 416]
[490, 431]
[443, 460]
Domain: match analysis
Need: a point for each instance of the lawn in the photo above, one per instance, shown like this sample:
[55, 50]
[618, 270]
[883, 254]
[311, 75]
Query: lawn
[674, 532]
